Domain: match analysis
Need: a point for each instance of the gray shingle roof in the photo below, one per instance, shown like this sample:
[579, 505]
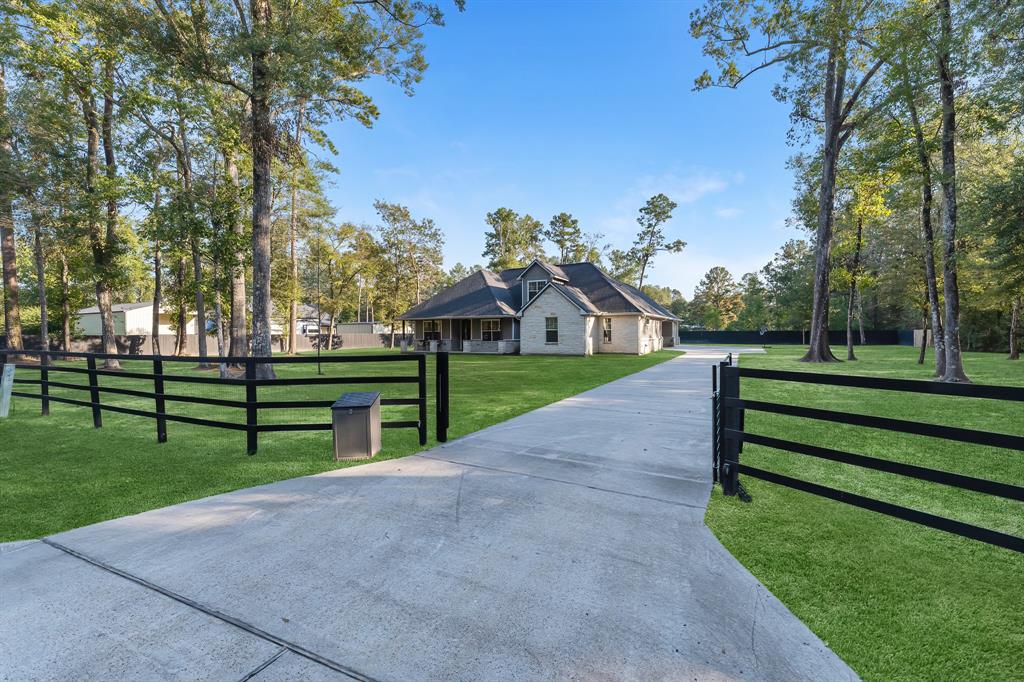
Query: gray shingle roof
[481, 294]
[489, 294]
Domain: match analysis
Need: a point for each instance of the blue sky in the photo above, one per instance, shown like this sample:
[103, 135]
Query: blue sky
[585, 107]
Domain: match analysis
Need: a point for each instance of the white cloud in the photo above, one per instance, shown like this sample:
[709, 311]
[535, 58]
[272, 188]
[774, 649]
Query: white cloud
[728, 213]
[682, 188]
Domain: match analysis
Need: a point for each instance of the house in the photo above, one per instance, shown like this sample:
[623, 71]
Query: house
[570, 309]
[130, 319]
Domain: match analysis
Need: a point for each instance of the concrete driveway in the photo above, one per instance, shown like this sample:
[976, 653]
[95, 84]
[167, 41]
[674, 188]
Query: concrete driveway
[567, 543]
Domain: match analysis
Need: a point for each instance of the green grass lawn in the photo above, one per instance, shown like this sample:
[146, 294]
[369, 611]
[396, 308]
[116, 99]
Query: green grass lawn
[897, 601]
[58, 472]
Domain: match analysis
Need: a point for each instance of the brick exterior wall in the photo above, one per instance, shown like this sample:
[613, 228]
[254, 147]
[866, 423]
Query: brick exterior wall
[625, 335]
[572, 327]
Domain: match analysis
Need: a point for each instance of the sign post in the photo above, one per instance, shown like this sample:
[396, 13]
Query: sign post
[6, 386]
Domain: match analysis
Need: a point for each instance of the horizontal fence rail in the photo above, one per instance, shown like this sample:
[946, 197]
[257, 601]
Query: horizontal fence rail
[729, 435]
[251, 405]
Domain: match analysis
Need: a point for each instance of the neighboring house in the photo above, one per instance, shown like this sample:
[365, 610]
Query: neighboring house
[572, 309]
[306, 321]
[130, 319]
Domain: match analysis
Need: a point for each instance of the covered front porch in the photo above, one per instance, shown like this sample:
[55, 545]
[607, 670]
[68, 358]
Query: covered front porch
[498, 335]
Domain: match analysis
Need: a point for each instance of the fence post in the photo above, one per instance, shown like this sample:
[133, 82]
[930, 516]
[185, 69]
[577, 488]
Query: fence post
[250, 406]
[161, 407]
[94, 394]
[441, 405]
[729, 473]
[44, 384]
[421, 362]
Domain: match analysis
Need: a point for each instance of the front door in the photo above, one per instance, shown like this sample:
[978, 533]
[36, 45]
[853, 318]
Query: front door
[466, 329]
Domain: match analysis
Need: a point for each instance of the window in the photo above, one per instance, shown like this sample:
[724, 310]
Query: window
[607, 330]
[551, 330]
[491, 330]
[431, 330]
[533, 288]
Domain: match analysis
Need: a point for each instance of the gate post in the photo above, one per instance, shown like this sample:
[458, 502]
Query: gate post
[44, 383]
[441, 404]
[731, 420]
[161, 406]
[250, 405]
[94, 393]
[421, 380]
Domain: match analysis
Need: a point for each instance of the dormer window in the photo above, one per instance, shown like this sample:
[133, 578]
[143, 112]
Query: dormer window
[533, 288]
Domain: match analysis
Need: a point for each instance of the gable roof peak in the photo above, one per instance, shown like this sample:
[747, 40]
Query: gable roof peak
[553, 270]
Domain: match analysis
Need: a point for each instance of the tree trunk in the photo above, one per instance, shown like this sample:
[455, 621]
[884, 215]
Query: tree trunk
[197, 273]
[924, 344]
[954, 370]
[181, 333]
[104, 291]
[217, 311]
[818, 349]
[185, 166]
[849, 323]
[44, 322]
[12, 308]
[239, 345]
[262, 186]
[851, 299]
[157, 296]
[293, 229]
[860, 318]
[65, 303]
[931, 281]
[1015, 329]
[330, 333]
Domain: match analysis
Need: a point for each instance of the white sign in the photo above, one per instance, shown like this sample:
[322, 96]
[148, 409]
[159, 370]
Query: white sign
[6, 385]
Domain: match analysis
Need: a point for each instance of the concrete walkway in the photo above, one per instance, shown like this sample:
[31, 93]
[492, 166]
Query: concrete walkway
[567, 543]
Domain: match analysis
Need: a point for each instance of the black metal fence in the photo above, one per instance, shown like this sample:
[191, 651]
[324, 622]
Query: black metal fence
[729, 435]
[247, 379]
[836, 337]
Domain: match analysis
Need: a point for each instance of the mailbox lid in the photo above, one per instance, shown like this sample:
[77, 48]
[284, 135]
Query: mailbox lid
[358, 400]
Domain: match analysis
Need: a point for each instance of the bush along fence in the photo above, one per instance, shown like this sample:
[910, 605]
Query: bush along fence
[729, 435]
[250, 407]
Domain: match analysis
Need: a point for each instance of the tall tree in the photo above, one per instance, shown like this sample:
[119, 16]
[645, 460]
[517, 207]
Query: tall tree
[650, 241]
[754, 313]
[564, 232]
[513, 240]
[623, 266]
[1002, 210]
[293, 230]
[718, 298]
[12, 309]
[954, 369]
[318, 48]
[831, 51]
[867, 204]
[408, 247]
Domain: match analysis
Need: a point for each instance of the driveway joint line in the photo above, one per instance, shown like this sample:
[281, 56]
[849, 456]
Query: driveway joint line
[559, 480]
[214, 613]
[264, 665]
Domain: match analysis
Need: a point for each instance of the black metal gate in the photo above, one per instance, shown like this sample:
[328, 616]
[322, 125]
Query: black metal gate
[729, 435]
